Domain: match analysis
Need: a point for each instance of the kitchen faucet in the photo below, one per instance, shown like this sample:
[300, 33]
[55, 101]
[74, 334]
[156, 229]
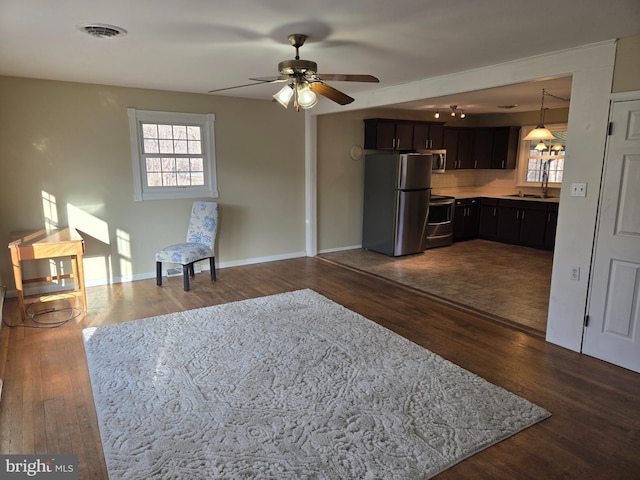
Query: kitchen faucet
[545, 178]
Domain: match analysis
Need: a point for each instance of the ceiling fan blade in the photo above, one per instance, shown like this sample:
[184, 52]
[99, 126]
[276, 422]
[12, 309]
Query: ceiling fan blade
[272, 79]
[237, 86]
[345, 77]
[331, 93]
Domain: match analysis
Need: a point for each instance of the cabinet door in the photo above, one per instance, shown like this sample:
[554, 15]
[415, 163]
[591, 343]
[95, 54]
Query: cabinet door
[533, 221]
[508, 229]
[473, 218]
[465, 148]
[488, 226]
[436, 132]
[450, 144]
[385, 135]
[459, 214]
[404, 136]
[550, 230]
[482, 147]
[420, 136]
[466, 219]
[505, 147]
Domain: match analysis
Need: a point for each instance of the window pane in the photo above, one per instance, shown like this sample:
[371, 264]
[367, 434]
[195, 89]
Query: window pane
[182, 164]
[184, 178]
[197, 178]
[166, 146]
[149, 130]
[168, 164]
[169, 179]
[151, 146]
[153, 165]
[180, 146]
[193, 133]
[165, 131]
[154, 179]
[197, 164]
[180, 132]
[195, 147]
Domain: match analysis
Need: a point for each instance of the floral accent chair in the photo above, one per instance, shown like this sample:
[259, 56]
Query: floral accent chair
[200, 244]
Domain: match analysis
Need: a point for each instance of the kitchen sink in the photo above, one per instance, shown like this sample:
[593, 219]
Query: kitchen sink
[528, 195]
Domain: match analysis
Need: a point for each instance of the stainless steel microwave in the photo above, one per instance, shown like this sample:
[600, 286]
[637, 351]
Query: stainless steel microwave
[439, 160]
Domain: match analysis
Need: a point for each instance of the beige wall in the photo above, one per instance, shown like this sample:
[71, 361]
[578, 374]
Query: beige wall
[70, 142]
[626, 76]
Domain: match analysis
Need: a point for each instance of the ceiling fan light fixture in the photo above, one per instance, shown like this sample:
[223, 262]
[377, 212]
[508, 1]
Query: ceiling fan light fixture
[306, 97]
[283, 96]
[437, 115]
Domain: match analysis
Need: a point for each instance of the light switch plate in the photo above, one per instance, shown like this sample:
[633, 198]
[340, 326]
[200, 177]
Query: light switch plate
[578, 189]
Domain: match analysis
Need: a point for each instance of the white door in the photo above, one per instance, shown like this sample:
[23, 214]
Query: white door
[613, 330]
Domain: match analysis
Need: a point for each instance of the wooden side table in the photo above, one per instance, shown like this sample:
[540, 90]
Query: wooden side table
[65, 242]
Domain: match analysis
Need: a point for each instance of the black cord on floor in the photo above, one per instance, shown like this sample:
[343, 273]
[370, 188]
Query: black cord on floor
[73, 313]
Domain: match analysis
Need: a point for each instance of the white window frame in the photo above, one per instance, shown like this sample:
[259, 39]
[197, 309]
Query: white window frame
[523, 155]
[141, 191]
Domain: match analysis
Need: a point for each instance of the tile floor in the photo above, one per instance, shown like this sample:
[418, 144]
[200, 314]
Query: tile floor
[507, 282]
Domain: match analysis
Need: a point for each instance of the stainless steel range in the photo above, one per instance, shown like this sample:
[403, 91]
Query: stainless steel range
[440, 221]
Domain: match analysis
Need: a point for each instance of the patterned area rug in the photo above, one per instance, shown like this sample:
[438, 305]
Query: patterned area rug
[290, 386]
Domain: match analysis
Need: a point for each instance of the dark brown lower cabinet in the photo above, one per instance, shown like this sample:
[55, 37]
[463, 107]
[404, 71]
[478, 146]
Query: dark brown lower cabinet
[552, 221]
[488, 228]
[466, 217]
[522, 222]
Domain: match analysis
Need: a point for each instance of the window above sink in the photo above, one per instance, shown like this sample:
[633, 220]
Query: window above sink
[537, 158]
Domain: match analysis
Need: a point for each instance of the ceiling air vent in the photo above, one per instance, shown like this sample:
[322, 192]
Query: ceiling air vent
[101, 30]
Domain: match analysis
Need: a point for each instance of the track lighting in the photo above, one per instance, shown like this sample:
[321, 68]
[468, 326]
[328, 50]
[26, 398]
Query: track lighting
[455, 111]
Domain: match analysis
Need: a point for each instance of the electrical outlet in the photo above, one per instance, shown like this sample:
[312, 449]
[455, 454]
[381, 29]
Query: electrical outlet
[575, 273]
[578, 189]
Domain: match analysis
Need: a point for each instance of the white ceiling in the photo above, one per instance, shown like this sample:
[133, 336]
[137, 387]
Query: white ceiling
[200, 45]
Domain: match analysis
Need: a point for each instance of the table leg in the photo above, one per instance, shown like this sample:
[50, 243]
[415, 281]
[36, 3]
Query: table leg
[80, 269]
[17, 275]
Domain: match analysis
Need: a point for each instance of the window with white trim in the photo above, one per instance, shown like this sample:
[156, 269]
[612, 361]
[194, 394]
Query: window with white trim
[539, 157]
[173, 155]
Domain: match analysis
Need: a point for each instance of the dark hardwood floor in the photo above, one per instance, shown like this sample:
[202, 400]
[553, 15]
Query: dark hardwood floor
[594, 431]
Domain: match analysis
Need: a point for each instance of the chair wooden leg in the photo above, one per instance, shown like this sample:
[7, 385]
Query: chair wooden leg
[212, 265]
[185, 277]
[158, 273]
[191, 270]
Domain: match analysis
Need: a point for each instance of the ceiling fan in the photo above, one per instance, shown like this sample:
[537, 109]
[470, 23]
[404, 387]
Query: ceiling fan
[303, 81]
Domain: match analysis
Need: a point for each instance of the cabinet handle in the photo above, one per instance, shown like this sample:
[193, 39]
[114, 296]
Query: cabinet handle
[523, 212]
[502, 163]
[517, 214]
[548, 217]
[398, 144]
[494, 211]
[426, 144]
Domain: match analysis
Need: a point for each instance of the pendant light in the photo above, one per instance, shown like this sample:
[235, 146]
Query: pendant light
[540, 132]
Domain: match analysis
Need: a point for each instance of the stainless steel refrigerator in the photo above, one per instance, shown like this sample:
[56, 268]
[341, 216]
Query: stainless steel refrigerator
[397, 189]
